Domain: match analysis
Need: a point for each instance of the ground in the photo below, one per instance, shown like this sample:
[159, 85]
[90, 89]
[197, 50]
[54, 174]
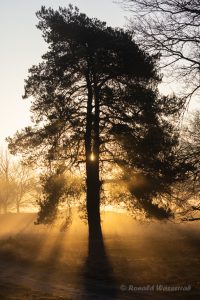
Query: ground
[42, 263]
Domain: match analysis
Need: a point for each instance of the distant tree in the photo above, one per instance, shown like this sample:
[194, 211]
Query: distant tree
[191, 154]
[17, 184]
[171, 28]
[96, 104]
[191, 143]
[25, 184]
[7, 186]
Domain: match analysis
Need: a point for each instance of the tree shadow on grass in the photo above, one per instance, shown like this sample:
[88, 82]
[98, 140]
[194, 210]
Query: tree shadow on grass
[99, 281]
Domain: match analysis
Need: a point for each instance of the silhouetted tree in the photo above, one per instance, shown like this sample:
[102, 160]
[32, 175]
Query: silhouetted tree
[154, 162]
[57, 187]
[190, 145]
[17, 184]
[24, 181]
[95, 103]
[7, 185]
[171, 28]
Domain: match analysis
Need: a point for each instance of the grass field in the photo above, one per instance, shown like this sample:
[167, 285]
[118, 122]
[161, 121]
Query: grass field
[42, 263]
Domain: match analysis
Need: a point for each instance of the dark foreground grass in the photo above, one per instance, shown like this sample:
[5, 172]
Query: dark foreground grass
[10, 291]
[42, 263]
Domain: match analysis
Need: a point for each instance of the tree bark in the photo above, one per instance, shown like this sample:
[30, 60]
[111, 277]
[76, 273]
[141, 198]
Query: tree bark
[92, 166]
[93, 201]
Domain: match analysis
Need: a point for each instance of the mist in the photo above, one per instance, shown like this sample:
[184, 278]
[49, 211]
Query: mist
[141, 254]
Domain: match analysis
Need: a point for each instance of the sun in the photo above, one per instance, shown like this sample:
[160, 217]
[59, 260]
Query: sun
[92, 157]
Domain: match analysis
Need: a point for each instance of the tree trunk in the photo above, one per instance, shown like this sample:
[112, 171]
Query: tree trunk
[93, 200]
[92, 165]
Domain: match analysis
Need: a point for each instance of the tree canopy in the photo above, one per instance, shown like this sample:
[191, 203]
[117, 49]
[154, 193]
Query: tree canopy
[170, 28]
[96, 107]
